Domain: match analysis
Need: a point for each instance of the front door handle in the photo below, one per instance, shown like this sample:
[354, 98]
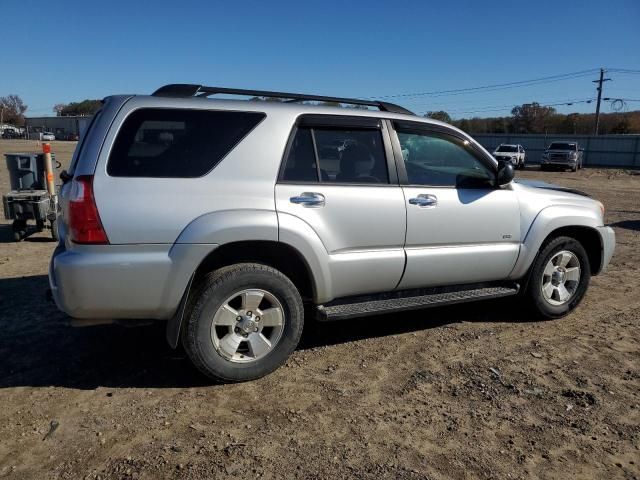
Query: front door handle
[308, 199]
[424, 200]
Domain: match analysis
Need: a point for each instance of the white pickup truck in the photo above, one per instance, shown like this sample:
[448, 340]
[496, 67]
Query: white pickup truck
[511, 153]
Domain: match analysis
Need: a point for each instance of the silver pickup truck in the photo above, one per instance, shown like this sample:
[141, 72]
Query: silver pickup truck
[231, 220]
[562, 155]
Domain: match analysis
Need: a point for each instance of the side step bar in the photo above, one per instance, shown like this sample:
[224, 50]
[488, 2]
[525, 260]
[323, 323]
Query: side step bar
[360, 306]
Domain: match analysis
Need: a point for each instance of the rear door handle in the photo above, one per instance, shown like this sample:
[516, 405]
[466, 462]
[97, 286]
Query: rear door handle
[309, 199]
[424, 200]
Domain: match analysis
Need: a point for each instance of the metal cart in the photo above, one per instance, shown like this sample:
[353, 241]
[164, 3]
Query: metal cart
[30, 198]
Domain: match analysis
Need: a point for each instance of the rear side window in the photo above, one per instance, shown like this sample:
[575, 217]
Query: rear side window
[331, 155]
[83, 136]
[156, 142]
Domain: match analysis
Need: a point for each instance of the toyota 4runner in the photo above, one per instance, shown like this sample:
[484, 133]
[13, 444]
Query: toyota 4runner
[229, 219]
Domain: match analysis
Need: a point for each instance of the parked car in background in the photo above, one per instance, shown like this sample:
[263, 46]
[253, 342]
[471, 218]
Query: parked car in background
[72, 137]
[562, 155]
[10, 133]
[231, 219]
[48, 136]
[511, 153]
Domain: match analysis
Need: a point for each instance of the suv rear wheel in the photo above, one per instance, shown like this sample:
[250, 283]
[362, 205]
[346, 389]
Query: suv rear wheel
[559, 277]
[245, 321]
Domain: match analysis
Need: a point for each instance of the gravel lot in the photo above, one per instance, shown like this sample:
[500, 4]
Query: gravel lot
[475, 391]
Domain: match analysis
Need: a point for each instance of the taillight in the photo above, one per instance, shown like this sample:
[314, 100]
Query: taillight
[84, 222]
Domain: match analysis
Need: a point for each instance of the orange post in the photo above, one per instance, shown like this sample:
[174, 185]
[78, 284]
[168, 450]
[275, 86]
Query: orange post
[48, 168]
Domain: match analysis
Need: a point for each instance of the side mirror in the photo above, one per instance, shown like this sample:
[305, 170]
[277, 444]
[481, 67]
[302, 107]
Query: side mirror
[505, 173]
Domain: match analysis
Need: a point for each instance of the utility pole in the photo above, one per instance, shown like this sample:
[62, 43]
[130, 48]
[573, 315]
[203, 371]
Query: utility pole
[600, 81]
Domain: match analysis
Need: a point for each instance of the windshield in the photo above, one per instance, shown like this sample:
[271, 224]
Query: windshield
[562, 146]
[507, 148]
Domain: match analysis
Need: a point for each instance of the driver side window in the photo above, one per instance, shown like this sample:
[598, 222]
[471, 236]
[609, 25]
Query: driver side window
[441, 160]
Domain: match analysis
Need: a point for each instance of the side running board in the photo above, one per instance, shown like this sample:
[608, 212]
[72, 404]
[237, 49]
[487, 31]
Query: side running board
[359, 306]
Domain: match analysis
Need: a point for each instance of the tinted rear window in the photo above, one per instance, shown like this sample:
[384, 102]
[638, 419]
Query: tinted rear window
[177, 143]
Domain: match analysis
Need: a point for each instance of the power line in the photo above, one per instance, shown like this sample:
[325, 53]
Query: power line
[498, 86]
[496, 108]
[523, 83]
[623, 70]
[446, 105]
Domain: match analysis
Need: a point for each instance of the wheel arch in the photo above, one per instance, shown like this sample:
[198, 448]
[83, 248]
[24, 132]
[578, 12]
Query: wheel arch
[588, 237]
[580, 223]
[278, 255]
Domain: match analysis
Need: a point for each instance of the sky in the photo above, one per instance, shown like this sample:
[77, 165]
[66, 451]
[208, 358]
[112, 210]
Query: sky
[58, 52]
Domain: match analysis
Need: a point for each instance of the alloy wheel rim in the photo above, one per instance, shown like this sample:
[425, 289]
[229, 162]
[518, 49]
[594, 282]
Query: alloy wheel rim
[560, 278]
[247, 326]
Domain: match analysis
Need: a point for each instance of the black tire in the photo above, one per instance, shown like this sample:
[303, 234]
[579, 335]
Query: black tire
[207, 298]
[54, 230]
[19, 228]
[534, 287]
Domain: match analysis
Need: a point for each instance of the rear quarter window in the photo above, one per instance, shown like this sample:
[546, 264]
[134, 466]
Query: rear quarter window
[83, 136]
[177, 143]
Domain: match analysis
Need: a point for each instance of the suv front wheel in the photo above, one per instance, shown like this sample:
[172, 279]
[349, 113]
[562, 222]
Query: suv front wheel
[244, 322]
[559, 277]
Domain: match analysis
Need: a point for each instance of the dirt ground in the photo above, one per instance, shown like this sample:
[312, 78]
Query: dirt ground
[475, 391]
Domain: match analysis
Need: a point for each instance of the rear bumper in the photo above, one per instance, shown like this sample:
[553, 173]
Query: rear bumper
[123, 281]
[608, 237]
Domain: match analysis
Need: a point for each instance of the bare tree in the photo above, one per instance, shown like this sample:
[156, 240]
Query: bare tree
[58, 108]
[12, 108]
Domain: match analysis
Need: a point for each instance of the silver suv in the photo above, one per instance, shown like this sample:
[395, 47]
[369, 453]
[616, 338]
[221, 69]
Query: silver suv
[232, 220]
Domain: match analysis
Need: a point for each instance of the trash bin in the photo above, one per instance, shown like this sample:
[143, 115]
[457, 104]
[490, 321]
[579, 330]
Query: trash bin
[26, 170]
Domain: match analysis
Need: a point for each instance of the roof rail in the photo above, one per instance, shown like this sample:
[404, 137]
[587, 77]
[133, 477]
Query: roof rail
[188, 90]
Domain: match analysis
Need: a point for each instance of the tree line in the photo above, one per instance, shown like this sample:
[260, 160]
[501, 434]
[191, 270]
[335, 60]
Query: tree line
[13, 109]
[536, 118]
[83, 108]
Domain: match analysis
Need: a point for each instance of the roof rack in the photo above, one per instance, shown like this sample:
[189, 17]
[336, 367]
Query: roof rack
[188, 90]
